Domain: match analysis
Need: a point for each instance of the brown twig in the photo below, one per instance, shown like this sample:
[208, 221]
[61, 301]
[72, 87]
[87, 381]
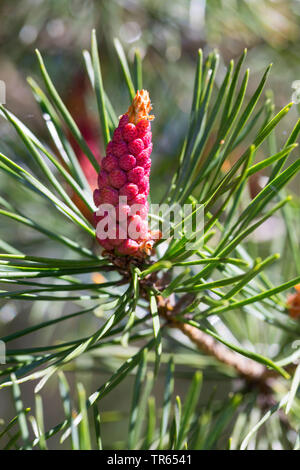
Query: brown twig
[245, 367]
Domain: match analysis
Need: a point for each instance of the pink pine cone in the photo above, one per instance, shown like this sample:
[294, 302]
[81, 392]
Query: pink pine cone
[118, 135]
[108, 196]
[109, 163]
[127, 162]
[129, 190]
[147, 139]
[119, 148]
[143, 126]
[129, 132]
[117, 178]
[128, 247]
[125, 174]
[103, 179]
[136, 146]
[136, 174]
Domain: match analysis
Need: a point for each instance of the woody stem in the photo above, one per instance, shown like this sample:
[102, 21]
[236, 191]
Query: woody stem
[245, 367]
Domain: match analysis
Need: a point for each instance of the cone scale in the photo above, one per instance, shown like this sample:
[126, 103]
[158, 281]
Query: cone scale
[123, 182]
[293, 303]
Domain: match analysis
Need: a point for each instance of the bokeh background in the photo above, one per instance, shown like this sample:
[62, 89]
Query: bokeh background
[168, 34]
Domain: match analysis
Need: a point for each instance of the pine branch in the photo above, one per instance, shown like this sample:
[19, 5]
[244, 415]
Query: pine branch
[246, 368]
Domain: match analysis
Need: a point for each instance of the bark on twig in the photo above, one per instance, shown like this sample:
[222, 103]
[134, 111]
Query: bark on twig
[245, 367]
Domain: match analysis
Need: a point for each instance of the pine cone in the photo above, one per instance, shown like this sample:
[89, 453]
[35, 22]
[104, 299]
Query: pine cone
[123, 182]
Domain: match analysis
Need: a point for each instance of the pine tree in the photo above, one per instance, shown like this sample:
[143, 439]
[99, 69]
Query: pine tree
[212, 309]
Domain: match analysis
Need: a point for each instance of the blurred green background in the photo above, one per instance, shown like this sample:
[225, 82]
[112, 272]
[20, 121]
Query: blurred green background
[168, 34]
